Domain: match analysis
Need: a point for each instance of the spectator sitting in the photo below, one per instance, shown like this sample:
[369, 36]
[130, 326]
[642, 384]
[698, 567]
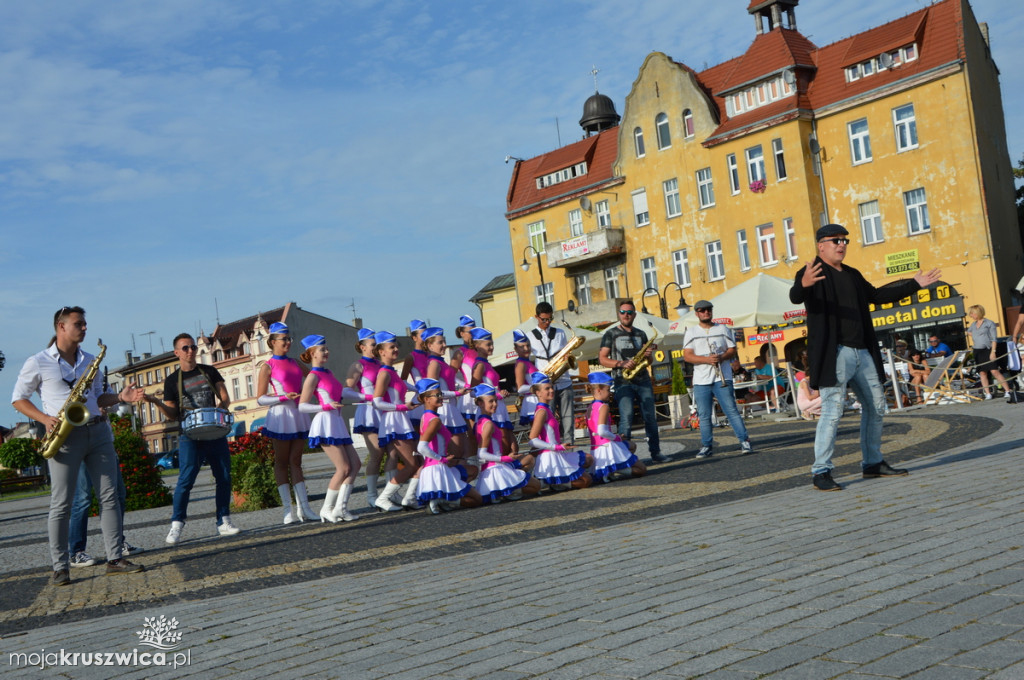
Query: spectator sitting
[763, 370]
[739, 374]
[936, 348]
[901, 350]
[918, 367]
[808, 400]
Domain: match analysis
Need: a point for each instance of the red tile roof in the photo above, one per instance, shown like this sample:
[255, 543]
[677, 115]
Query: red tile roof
[228, 333]
[599, 151]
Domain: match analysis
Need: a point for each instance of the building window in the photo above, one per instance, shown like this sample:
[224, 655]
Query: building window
[664, 136]
[744, 249]
[538, 236]
[638, 142]
[917, 211]
[218, 355]
[576, 222]
[604, 215]
[734, 174]
[755, 164]
[152, 413]
[705, 190]
[780, 160]
[236, 389]
[790, 235]
[545, 293]
[688, 124]
[716, 263]
[766, 245]
[672, 208]
[245, 348]
[611, 282]
[860, 141]
[641, 215]
[583, 289]
[681, 267]
[248, 386]
[906, 127]
[870, 222]
[649, 272]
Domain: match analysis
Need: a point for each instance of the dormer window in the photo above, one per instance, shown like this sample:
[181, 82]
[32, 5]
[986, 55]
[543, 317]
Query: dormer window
[883, 62]
[563, 175]
[760, 94]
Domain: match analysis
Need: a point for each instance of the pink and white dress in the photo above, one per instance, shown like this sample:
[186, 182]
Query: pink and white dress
[501, 417]
[556, 467]
[437, 480]
[328, 427]
[500, 475]
[609, 455]
[451, 414]
[420, 359]
[367, 418]
[529, 405]
[284, 420]
[394, 424]
[468, 404]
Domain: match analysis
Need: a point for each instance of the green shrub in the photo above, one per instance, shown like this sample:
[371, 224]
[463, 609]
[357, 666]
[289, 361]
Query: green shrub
[20, 453]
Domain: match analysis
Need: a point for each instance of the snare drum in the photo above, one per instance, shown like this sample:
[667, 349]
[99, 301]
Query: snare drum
[203, 424]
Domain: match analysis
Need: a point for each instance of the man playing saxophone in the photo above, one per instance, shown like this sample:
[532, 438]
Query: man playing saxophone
[619, 347]
[53, 374]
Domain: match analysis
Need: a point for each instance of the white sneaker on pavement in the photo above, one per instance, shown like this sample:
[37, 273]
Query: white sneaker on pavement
[174, 535]
[226, 528]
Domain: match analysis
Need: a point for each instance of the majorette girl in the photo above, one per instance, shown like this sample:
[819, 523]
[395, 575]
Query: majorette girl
[362, 375]
[440, 483]
[611, 456]
[415, 366]
[556, 467]
[503, 477]
[450, 411]
[395, 435]
[483, 372]
[524, 369]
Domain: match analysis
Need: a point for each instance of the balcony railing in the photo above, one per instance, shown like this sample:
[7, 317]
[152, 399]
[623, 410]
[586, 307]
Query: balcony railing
[593, 245]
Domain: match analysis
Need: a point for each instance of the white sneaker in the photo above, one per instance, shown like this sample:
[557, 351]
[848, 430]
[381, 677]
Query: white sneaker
[129, 549]
[988, 395]
[82, 559]
[746, 447]
[174, 535]
[226, 528]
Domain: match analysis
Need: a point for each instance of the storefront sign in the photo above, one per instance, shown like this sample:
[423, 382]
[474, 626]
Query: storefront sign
[761, 338]
[901, 263]
[937, 304]
[575, 247]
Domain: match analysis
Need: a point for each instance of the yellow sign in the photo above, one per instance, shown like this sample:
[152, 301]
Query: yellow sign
[901, 263]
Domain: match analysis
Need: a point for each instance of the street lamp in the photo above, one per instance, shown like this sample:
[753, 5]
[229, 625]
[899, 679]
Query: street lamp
[681, 308]
[525, 265]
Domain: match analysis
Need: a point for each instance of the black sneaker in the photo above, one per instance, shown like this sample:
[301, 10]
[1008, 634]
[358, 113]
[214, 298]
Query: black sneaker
[659, 457]
[123, 566]
[883, 469]
[823, 482]
[61, 577]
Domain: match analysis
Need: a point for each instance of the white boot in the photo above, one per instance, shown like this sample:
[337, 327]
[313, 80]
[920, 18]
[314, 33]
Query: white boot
[410, 501]
[302, 502]
[371, 489]
[285, 492]
[341, 507]
[327, 509]
[383, 501]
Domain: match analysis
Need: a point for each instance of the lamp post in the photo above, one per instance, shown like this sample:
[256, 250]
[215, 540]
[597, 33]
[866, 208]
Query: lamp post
[525, 266]
[681, 308]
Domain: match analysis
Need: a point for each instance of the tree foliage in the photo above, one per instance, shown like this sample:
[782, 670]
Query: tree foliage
[20, 453]
[146, 489]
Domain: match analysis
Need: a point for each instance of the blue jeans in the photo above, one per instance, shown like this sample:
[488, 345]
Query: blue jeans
[191, 456]
[702, 395]
[856, 368]
[79, 526]
[626, 395]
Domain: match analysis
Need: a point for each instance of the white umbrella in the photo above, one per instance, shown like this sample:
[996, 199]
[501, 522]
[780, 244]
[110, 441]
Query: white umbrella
[760, 301]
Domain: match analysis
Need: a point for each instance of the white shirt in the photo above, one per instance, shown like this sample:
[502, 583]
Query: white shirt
[705, 342]
[544, 348]
[47, 374]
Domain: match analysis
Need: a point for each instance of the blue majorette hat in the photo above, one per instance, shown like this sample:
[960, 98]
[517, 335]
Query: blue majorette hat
[599, 378]
[480, 334]
[417, 325]
[384, 336]
[482, 390]
[427, 384]
[431, 332]
[364, 333]
[538, 378]
[278, 328]
[467, 321]
[519, 336]
[313, 341]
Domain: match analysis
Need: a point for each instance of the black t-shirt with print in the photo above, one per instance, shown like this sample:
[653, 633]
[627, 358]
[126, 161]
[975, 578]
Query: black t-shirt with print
[198, 386]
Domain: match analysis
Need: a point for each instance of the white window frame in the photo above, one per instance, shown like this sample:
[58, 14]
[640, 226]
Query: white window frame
[766, 251]
[604, 214]
[673, 208]
[663, 132]
[638, 142]
[755, 164]
[576, 222]
[249, 391]
[870, 222]
[705, 188]
[916, 203]
[611, 282]
[537, 235]
[860, 142]
[545, 293]
[734, 174]
[780, 159]
[583, 295]
[649, 273]
[236, 389]
[688, 128]
[681, 268]
[744, 249]
[905, 129]
[641, 211]
[789, 234]
[715, 260]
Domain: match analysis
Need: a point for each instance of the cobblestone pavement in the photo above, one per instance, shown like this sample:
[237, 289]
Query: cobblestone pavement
[730, 567]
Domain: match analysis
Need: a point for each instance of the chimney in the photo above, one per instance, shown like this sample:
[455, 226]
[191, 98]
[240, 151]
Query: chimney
[984, 32]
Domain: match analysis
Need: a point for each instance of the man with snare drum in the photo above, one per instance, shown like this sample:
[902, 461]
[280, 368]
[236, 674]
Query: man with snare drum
[192, 387]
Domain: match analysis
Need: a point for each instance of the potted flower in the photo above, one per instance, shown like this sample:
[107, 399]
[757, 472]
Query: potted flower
[758, 186]
[678, 398]
[252, 473]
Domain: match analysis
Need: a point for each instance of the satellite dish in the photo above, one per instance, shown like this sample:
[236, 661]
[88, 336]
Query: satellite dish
[815, 147]
[789, 77]
[885, 60]
[586, 205]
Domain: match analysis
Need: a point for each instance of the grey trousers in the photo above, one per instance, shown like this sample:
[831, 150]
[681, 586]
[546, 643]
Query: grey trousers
[93, 447]
[566, 417]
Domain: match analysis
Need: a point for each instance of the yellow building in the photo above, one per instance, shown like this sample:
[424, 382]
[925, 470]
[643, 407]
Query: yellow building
[896, 133]
[498, 305]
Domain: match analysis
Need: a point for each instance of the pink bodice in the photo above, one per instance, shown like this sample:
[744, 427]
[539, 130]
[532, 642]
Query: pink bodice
[593, 422]
[491, 376]
[396, 389]
[439, 444]
[328, 389]
[285, 375]
[550, 432]
[368, 380]
[420, 361]
[445, 373]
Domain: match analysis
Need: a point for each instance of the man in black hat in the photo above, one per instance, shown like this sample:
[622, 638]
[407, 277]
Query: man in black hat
[843, 349]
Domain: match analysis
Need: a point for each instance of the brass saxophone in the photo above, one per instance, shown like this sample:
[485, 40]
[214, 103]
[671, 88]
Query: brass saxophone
[564, 360]
[73, 413]
[642, 364]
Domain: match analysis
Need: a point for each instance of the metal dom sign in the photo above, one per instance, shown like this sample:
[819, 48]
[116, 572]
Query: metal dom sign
[939, 303]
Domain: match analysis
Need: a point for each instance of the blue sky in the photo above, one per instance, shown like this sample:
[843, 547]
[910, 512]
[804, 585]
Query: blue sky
[155, 157]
